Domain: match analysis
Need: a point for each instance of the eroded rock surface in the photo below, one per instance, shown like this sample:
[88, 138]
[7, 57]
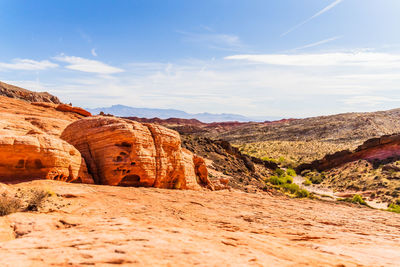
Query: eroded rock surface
[39, 156]
[30, 144]
[20, 93]
[128, 153]
[109, 225]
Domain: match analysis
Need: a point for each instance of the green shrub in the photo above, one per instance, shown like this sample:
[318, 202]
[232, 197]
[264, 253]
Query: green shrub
[291, 172]
[279, 172]
[307, 182]
[292, 188]
[302, 193]
[394, 208]
[357, 199]
[315, 179]
[288, 179]
[275, 180]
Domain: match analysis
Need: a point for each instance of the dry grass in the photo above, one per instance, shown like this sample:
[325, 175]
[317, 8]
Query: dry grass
[27, 200]
[9, 204]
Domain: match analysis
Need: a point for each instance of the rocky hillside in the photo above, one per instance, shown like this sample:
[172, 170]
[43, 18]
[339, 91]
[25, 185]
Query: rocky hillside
[352, 128]
[371, 170]
[30, 96]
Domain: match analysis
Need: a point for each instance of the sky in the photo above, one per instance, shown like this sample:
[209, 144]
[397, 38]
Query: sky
[259, 58]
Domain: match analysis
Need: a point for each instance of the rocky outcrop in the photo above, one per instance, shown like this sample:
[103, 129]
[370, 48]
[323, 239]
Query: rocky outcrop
[128, 153]
[23, 94]
[381, 148]
[69, 108]
[39, 156]
[63, 108]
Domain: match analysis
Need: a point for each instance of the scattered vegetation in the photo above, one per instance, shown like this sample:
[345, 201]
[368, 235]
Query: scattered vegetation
[30, 200]
[394, 208]
[291, 172]
[307, 182]
[314, 177]
[291, 153]
[284, 180]
[357, 199]
[9, 204]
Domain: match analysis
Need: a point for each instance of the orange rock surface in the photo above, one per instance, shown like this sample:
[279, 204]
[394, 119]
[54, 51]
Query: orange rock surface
[39, 156]
[128, 153]
[125, 226]
[30, 144]
[68, 108]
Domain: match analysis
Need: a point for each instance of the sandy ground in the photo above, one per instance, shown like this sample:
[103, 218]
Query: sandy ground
[108, 226]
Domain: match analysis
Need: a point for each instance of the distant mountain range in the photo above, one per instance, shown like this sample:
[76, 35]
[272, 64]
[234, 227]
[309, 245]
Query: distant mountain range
[126, 111]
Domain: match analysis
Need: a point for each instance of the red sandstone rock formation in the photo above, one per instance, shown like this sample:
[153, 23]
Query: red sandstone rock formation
[64, 108]
[39, 156]
[373, 149]
[68, 108]
[30, 145]
[128, 153]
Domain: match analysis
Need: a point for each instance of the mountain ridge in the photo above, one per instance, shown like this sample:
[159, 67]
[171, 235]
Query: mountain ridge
[149, 113]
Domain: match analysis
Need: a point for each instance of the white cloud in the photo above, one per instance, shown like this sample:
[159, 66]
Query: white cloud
[361, 59]
[319, 13]
[88, 65]
[27, 64]
[93, 52]
[369, 100]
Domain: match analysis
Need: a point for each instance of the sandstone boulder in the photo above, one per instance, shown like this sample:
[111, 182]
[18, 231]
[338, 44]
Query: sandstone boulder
[128, 153]
[39, 156]
[68, 108]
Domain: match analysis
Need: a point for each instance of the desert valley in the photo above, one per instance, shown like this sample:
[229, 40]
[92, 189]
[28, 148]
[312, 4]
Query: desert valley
[200, 133]
[81, 189]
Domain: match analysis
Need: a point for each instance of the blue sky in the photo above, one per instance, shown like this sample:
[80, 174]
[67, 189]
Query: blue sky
[286, 58]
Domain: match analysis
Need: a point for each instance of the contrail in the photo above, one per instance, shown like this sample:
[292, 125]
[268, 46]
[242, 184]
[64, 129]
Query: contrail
[314, 16]
[319, 43]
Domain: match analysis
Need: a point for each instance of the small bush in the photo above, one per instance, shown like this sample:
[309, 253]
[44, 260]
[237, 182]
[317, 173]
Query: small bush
[291, 172]
[9, 205]
[36, 199]
[275, 180]
[307, 182]
[292, 188]
[394, 208]
[357, 199]
[280, 172]
[315, 179]
[302, 193]
[288, 179]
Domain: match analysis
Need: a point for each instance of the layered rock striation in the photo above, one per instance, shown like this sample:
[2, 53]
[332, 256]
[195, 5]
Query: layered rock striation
[40, 156]
[128, 153]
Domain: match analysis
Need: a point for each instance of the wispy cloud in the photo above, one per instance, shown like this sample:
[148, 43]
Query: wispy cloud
[87, 65]
[326, 9]
[27, 64]
[369, 100]
[213, 40]
[325, 41]
[93, 52]
[364, 59]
